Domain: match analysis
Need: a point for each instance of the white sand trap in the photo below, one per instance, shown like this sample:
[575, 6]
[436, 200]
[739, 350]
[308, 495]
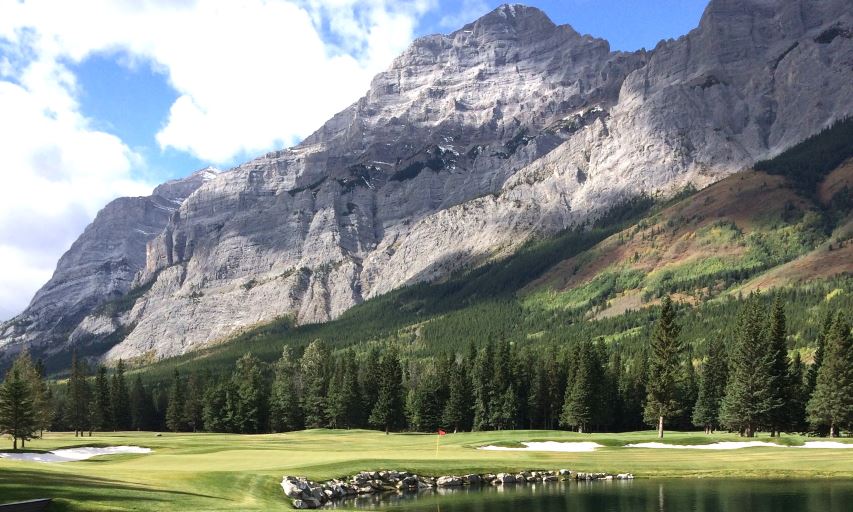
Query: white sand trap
[722, 445]
[549, 446]
[74, 454]
[824, 444]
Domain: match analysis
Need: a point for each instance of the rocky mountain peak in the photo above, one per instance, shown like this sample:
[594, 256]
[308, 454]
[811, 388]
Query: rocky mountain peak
[510, 21]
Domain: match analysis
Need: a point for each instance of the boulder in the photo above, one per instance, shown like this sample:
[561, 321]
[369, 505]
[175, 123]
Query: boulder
[504, 478]
[473, 479]
[449, 481]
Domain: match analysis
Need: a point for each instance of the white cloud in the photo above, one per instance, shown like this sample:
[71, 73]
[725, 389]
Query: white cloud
[251, 75]
[467, 11]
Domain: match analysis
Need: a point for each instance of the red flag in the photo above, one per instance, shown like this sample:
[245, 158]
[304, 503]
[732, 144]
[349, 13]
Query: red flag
[441, 432]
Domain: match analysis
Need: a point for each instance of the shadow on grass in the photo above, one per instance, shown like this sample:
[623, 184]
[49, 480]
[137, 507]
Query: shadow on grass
[73, 492]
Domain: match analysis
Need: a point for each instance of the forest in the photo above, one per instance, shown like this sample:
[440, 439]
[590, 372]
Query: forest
[743, 383]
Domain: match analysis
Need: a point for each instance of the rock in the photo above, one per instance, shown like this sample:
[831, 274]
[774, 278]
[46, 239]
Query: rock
[473, 479]
[624, 476]
[449, 481]
[505, 478]
[307, 503]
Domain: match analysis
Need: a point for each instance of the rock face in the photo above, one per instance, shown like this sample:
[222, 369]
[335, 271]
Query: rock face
[470, 144]
[99, 266]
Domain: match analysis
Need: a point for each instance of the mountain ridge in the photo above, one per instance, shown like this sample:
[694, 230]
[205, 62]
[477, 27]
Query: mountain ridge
[474, 142]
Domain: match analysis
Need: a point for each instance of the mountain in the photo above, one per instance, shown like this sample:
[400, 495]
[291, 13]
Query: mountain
[470, 145]
[101, 265]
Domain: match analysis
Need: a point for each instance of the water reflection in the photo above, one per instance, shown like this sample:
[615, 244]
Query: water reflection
[709, 495]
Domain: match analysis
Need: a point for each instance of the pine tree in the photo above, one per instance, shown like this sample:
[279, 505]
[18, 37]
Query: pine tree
[780, 387]
[175, 409]
[712, 388]
[749, 392]
[424, 402]
[579, 405]
[78, 397]
[120, 398]
[102, 406]
[314, 369]
[284, 400]
[335, 404]
[388, 412]
[811, 375]
[832, 401]
[665, 369]
[249, 410]
[369, 373]
[17, 417]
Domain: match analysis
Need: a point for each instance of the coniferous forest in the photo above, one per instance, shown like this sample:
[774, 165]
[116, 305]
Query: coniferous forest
[743, 383]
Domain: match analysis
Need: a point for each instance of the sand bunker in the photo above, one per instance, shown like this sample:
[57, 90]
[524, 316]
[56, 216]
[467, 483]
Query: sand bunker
[549, 446]
[734, 445]
[824, 444]
[74, 454]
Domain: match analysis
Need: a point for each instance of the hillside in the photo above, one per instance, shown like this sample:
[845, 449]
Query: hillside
[750, 231]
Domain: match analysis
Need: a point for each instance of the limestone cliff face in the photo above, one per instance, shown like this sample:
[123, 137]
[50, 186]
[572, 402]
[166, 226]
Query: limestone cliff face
[100, 266]
[471, 143]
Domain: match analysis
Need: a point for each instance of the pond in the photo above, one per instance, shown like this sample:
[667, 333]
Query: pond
[673, 495]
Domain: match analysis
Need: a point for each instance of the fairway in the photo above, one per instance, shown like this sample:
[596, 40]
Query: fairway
[243, 472]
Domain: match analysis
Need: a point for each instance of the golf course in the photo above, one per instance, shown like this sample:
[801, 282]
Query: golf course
[243, 472]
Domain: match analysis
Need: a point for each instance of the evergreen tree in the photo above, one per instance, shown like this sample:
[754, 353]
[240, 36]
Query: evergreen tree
[215, 407]
[482, 382]
[749, 392]
[795, 415]
[780, 387]
[314, 369]
[666, 370]
[284, 400]
[388, 411]
[832, 401]
[193, 403]
[424, 402]
[102, 406]
[712, 388]
[175, 408]
[579, 405]
[249, 410]
[140, 406]
[78, 397]
[17, 417]
[33, 375]
[811, 375]
[369, 373]
[457, 414]
[120, 398]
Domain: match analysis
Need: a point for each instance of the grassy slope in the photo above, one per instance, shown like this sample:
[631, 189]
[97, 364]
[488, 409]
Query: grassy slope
[241, 472]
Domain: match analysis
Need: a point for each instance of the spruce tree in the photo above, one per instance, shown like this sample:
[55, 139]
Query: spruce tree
[249, 410]
[284, 400]
[140, 406]
[780, 387]
[120, 398]
[33, 374]
[811, 375]
[795, 408]
[666, 369]
[102, 406]
[17, 417]
[78, 397]
[749, 395]
[369, 373]
[215, 406]
[712, 388]
[193, 403]
[314, 369]
[832, 402]
[175, 409]
[457, 413]
[388, 412]
[579, 404]
[482, 384]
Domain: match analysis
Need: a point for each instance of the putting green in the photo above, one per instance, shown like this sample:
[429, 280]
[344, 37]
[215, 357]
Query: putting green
[243, 472]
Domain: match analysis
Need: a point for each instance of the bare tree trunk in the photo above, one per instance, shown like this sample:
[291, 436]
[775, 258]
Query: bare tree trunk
[832, 432]
[14, 443]
[660, 427]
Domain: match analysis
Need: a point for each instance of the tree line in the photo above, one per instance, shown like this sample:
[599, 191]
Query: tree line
[743, 384]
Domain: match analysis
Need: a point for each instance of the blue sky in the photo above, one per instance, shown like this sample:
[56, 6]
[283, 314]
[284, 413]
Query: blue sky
[102, 99]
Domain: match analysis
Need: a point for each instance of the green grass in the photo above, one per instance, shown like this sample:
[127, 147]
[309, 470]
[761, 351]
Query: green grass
[242, 472]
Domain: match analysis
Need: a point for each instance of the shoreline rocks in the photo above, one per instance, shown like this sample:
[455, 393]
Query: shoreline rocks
[307, 494]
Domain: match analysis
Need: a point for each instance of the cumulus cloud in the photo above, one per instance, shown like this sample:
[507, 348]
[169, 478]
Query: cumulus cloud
[250, 76]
